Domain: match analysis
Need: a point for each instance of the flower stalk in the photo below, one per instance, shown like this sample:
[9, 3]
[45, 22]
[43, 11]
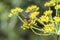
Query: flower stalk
[20, 18]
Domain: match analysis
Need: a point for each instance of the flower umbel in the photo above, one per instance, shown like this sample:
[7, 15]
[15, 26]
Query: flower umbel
[32, 8]
[57, 6]
[48, 12]
[33, 15]
[56, 19]
[50, 3]
[48, 28]
[15, 11]
[44, 19]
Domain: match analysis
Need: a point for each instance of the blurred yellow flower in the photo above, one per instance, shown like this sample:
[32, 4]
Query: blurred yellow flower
[50, 3]
[57, 6]
[48, 12]
[56, 19]
[44, 19]
[32, 8]
[14, 11]
[33, 15]
[48, 28]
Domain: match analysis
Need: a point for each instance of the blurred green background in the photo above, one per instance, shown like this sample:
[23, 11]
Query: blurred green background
[10, 27]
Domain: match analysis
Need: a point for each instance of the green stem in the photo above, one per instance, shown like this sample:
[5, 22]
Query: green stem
[57, 9]
[49, 8]
[57, 14]
[36, 25]
[39, 33]
[37, 28]
[51, 17]
[39, 21]
[20, 18]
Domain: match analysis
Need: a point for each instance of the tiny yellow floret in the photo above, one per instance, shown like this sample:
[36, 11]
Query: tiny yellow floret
[48, 28]
[48, 12]
[15, 11]
[56, 19]
[33, 15]
[57, 6]
[32, 8]
[50, 3]
[44, 19]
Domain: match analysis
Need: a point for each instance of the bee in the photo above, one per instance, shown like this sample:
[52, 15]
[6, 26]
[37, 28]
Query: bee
[28, 19]
[25, 17]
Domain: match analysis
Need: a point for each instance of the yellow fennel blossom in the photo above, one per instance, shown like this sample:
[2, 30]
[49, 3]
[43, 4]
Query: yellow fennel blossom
[50, 3]
[14, 11]
[32, 8]
[44, 19]
[57, 6]
[48, 28]
[48, 12]
[56, 19]
[33, 15]
[27, 24]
